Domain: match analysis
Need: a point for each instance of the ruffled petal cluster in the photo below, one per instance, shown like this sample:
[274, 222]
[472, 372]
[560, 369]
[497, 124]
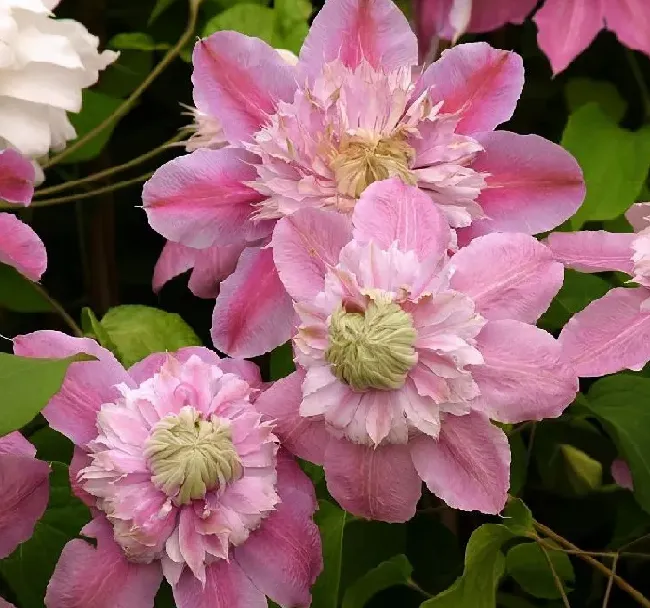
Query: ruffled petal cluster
[186, 481]
[353, 111]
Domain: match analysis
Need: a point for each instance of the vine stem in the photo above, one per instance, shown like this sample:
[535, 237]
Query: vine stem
[128, 103]
[556, 578]
[621, 583]
[58, 308]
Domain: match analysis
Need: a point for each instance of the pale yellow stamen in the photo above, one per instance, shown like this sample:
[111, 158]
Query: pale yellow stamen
[373, 349]
[190, 456]
[363, 159]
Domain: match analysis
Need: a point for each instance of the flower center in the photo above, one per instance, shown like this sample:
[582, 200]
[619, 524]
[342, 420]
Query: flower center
[190, 456]
[362, 160]
[372, 349]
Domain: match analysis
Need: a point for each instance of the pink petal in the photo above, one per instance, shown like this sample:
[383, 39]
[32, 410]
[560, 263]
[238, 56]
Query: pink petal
[294, 487]
[88, 384]
[533, 184]
[212, 266]
[638, 215]
[305, 245]
[150, 365]
[14, 443]
[431, 22]
[5, 604]
[630, 19]
[226, 586]
[567, 27]
[17, 177]
[80, 460]
[391, 211]
[253, 313]
[595, 251]
[376, 483]
[488, 16]
[611, 334]
[174, 259]
[239, 80]
[622, 474]
[468, 466]
[283, 557]
[481, 83]
[200, 199]
[23, 498]
[246, 370]
[307, 438]
[509, 276]
[524, 376]
[101, 577]
[21, 247]
[356, 30]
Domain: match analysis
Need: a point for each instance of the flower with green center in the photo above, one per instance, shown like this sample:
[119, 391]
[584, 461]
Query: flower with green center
[190, 456]
[373, 349]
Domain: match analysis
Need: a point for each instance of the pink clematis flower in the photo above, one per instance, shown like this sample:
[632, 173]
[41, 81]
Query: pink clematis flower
[315, 135]
[24, 491]
[20, 246]
[185, 480]
[613, 332]
[404, 356]
[565, 27]
[622, 474]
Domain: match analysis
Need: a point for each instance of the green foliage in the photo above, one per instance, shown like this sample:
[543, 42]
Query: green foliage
[137, 41]
[282, 361]
[331, 521]
[582, 91]
[19, 294]
[395, 571]
[27, 386]
[29, 567]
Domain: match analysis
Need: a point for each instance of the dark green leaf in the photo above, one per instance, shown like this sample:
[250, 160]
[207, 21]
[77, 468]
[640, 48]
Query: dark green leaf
[527, 564]
[137, 331]
[518, 463]
[584, 473]
[126, 74]
[51, 445]
[19, 294]
[582, 91]
[137, 41]
[160, 7]
[29, 568]
[249, 19]
[331, 522]
[282, 361]
[27, 386]
[395, 571]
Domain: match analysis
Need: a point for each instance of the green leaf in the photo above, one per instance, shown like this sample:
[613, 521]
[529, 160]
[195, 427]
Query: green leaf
[94, 329]
[518, 463]
[484, 561]
[395, 571]
[126, 74]
[137, 41]
[51, 445]
[585, 474]
[615, 163]
[622, 404]
[282, 361]
[331, 522]
[160, 7]
[292, 23]
[527, 564]
[137, 331]
[249, 19]
[19, 294]
[582, 91]
[27, 386]
[29, 568]
[96, 107]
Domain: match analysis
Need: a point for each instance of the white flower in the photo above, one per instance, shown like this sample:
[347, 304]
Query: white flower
[45, 63]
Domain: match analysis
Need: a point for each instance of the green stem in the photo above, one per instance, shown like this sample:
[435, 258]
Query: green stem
[58, 308]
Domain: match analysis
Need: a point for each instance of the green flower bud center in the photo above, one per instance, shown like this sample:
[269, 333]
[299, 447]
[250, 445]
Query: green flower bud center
[361, 160]
[190, 456]
[372, 349]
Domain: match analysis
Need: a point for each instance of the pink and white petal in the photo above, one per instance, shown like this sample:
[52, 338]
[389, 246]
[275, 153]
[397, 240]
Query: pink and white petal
[87, 385]
[509, 276]
[391, 210]
[639, 216]
[524, 376]
[201, 199]
[21, 247]
[533, 184]
[239, 80]
[253, 313]
[630, 20]
[101, 577]
[213, 265]
[567, 27]
[17, 177]
[23, 499]
[468, 466]
[305, 245]
[479, 82]
[283, 557]
[14, 443]
[622, 474]
[488, 16]
[175, 259]
[609, 335]
[595, 251]
[355, 30]
[375, 483]
[307, 438]
[226, 586]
